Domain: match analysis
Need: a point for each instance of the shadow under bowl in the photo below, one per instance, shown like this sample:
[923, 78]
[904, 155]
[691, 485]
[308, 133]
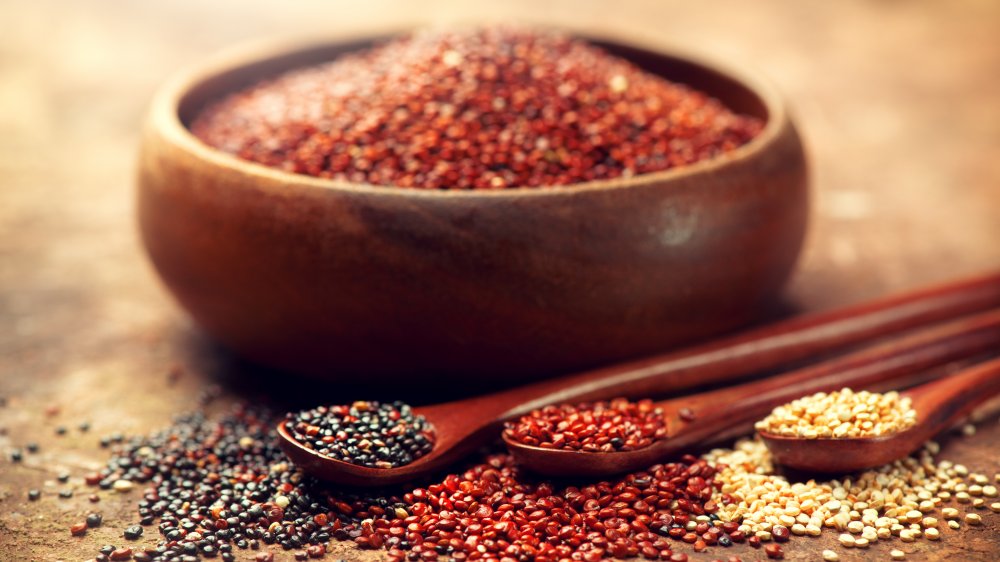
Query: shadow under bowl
[341, 280]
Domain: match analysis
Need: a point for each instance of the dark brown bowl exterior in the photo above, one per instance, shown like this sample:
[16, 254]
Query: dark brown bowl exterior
[333, 279]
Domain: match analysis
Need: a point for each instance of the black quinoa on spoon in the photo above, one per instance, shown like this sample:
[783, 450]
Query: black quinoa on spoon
[365, 433]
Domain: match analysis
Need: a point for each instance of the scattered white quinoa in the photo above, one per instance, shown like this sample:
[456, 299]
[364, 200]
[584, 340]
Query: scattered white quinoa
[905, 500]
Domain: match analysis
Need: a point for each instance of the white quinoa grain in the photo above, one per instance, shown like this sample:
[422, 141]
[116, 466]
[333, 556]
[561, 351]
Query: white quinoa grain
[122, 486]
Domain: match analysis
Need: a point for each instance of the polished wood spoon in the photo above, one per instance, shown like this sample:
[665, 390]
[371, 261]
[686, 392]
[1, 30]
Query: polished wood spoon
[706, 417]
[462, 426]
[939, 405]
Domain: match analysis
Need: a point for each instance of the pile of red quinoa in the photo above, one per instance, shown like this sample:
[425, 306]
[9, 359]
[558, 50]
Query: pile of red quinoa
[490, 108]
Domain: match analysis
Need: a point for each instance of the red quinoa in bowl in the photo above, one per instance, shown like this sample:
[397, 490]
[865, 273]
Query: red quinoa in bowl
[486, 108]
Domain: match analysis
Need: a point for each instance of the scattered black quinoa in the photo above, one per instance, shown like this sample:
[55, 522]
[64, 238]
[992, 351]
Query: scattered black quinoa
[213, 487]
[366, 433]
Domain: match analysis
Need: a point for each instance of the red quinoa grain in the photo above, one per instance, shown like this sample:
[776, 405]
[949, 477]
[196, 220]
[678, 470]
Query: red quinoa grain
[486, 108]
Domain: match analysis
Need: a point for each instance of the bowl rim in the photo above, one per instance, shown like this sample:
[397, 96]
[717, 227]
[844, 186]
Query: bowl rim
[164, 118]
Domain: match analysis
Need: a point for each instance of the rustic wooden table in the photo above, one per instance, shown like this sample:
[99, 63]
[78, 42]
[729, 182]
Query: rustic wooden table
[897, 101]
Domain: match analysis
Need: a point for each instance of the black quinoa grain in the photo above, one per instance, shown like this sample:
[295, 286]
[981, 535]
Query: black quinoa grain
[133, 532]
[94, 520]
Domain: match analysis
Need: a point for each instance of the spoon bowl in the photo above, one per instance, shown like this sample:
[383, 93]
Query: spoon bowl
[939, 405]
[453, 438]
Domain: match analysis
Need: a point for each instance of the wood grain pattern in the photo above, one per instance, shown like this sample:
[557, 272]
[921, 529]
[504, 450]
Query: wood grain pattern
[896, 102]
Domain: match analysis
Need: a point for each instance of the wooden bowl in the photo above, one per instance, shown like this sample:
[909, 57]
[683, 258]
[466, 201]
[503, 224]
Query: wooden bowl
[336, 279]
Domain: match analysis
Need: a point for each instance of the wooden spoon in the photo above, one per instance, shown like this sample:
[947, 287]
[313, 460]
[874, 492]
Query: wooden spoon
[707, 416]
[939, 405]
[462, 426]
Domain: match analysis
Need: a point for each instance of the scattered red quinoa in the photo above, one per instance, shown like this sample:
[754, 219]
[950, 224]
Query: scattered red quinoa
[618, 425]
[493, 511]
[486, 108]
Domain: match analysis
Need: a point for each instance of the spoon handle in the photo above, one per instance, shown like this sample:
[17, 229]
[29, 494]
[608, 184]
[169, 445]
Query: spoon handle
[882, 364]
[948, 400]
[754, 351]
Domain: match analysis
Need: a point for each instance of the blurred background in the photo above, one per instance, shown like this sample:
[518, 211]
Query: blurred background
[897, 102]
